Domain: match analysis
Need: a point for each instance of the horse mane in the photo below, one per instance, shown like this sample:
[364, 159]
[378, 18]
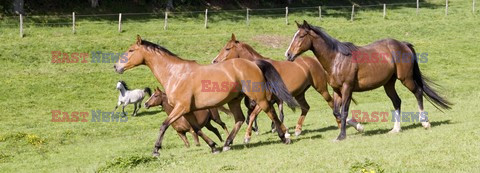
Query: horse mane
[124, 84]
[346, 48]
[250, 49]
[158, 48]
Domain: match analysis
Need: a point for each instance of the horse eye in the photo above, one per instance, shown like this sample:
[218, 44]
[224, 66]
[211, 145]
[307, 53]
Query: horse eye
[130, 50]
[227, 49]
[302, 36]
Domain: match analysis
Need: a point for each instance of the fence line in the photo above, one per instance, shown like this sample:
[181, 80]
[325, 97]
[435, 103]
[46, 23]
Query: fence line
[327, 11]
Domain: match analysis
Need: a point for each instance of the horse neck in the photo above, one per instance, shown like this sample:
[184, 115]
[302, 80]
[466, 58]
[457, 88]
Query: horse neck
[168, 109]
[324, 54]
[250, 53]
[123, 91]
[165, 67]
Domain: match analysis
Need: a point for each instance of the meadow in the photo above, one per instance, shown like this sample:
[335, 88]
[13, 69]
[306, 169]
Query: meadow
[31, 87]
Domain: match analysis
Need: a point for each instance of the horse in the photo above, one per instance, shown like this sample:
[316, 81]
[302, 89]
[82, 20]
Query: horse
[298, 77]
[191, 86]
[128, 96]
[354, 68]
[182, 126]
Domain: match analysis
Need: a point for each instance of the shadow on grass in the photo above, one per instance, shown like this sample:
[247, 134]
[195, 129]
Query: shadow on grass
[145, 113]
[411, 126]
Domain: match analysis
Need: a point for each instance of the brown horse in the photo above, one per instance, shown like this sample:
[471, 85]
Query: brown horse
[298, 77]
[361, 68]
[191, 86]
[182, 126]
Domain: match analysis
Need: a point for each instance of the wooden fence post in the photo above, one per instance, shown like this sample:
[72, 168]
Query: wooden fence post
[418, 5]
[320, 12]
[165, 23]
[286, 15]
[248, 19]
[384, 10]
[446, 7]
[353, 11]
[473, 7]
[206, 18]
[119, 22]
[21, 26]
[73, 22]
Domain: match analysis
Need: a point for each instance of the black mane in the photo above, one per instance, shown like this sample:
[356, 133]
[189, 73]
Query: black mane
[124, 84]
[346, 48]
[156, 47]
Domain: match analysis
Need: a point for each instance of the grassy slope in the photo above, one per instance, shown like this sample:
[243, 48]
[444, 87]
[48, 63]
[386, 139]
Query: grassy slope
[31, 87]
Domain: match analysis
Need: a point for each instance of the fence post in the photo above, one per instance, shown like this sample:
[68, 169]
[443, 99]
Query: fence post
[384, 10]
[73, 22]
[165, 23]
[473, 7]
[446, 7]
[119, 22]
[286, 15]
[418, 5]
[353, 11]
[320, 12]
[248, 20]
[21, 26]
[206, 18]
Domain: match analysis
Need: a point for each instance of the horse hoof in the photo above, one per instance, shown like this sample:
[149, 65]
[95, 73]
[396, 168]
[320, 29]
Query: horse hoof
[226, 148]
[256, 133]
[156, 154]
[246, 140]
[287, 141]
[298, 132]
[359, 128]
[395, 130]
[215, 151]
[426, 125]
[273, 130]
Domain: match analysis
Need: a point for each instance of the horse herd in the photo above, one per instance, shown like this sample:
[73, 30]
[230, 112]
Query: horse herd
[239, 71]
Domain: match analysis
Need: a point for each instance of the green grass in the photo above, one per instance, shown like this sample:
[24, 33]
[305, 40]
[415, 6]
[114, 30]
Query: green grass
[31, 87]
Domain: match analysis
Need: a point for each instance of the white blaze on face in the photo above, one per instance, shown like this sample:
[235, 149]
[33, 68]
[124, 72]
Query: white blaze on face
[118, 85]
[294, 36]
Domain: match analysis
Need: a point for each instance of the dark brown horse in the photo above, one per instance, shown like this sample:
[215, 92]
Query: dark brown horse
[361, 68]
[298, 77]
[191, 86]
[182, 126]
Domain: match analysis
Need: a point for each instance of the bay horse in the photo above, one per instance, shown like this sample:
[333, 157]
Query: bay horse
[187, 85]
[354, 68]
[298, 76]
[182, 126]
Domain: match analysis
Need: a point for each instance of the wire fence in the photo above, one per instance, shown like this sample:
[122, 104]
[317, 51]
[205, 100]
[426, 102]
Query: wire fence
[206, 18]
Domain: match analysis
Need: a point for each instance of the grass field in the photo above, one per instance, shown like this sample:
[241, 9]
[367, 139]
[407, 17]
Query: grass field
[31, 87]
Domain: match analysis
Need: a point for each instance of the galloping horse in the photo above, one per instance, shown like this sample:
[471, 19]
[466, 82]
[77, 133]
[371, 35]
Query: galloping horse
[187, 85]
[298, 77]
[361, 68]
[182, 126]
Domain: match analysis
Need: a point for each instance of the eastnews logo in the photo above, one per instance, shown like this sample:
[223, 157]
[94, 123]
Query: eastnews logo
[96, 57]
[97, 116]
[375, 116]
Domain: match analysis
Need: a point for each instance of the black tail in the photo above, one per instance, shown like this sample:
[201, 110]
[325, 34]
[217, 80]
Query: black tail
[423, 82]
[148, 91]
[275, 83]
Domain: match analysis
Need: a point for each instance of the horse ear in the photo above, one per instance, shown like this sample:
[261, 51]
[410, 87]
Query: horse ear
[158, 89]
[298, 25]
[139, 40]
[306, 25]
[233, 37]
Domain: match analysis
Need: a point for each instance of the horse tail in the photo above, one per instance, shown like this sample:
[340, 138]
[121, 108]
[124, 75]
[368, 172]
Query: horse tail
[275, 83]
[424, 83]
[148, 91]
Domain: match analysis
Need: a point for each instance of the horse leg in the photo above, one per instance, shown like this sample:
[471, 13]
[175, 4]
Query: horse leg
[139, 106]
[252, 118]
[118, 104]
[123, 108]
[418, 92]
[196, 127]
[346, 99]
[236, 109]
[281, 129]
[397, 102]
[280, 109]
[176, 113]
[216, 117]
[195, 137]
[214, 130]
[337, 99]
[134, 109]
[250, 108]
[184, 138]
[305, 108]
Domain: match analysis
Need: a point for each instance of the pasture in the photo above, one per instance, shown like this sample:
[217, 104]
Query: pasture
[31, 87]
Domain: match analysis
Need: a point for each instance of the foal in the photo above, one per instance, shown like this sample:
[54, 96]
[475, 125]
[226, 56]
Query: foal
[182, 126]
[127, 97]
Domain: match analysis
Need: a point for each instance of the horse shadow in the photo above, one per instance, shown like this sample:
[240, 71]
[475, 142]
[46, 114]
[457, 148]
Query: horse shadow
[404, 128]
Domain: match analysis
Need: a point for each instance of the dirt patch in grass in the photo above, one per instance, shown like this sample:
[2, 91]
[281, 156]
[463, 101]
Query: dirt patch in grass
[273, 41]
